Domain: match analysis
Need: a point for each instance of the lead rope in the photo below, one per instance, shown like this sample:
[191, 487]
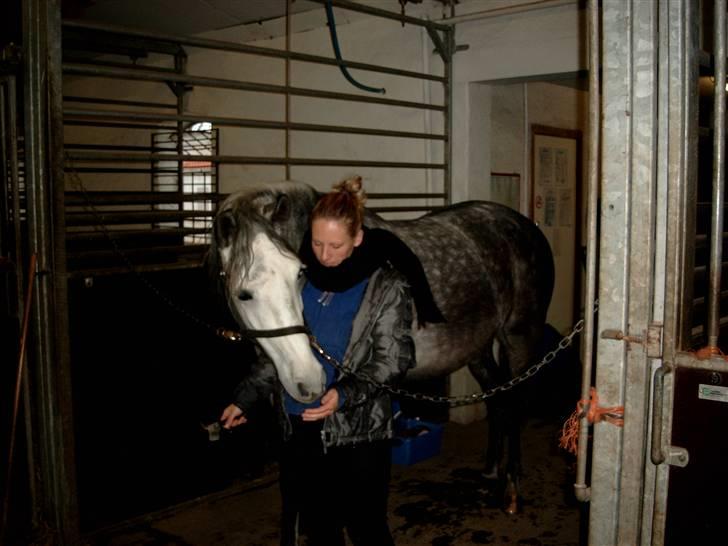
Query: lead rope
[467, 399]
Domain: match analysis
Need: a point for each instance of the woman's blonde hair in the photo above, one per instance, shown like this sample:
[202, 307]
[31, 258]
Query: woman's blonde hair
[345, 202]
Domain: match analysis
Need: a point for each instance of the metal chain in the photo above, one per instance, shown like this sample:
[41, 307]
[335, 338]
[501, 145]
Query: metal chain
[467, 399]
[100, 226]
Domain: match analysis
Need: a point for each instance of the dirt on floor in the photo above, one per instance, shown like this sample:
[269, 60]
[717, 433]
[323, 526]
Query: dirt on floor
[440, 501]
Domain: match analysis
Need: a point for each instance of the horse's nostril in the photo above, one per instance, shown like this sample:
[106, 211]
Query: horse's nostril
[244, 295]
[303, 391]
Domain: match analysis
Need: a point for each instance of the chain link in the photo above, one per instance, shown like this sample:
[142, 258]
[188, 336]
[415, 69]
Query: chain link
[466, 399]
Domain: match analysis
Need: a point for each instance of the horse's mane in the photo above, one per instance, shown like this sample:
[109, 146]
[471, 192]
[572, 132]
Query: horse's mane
[245, 214]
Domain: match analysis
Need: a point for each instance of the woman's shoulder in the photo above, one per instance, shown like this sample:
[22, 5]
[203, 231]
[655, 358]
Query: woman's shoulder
[388, 277]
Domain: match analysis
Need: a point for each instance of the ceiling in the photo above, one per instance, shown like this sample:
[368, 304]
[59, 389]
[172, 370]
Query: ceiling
[181, 16]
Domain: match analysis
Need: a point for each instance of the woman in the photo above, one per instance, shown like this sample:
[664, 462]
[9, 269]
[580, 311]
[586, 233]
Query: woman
[336, 456]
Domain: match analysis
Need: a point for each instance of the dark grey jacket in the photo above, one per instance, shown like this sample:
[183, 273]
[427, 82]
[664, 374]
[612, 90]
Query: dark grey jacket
[380, 347]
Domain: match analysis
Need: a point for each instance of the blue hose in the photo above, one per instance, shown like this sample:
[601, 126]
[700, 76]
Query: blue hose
[335, 43]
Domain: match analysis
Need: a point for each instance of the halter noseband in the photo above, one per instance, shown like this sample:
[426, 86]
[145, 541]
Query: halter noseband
[232, 335]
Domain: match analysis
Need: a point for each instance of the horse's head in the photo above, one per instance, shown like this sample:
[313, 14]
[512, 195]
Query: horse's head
[256, 236]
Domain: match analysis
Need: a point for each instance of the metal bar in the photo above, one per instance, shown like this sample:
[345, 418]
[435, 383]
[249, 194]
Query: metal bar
[132, 217]
[242, 48]
[138, 268]
[109, 147]
[135, 103]
[138, 75]
[5, 207]
[243, 160]
[424, 195]
[110, 125]
[287, 82]
[110, 170]
[243, 122]
[581, 490]
[404, 209]
[104, 198]
[128, 234]
[180, 64]
[719, 117]
[143, 251]
[361, 8]
[74, 198]
[448, 93]
[616, 178]
[57, 498]
[134, 66]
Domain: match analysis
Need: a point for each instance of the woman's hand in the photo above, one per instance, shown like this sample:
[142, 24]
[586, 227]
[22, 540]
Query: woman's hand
[232, 416]
[329, 404]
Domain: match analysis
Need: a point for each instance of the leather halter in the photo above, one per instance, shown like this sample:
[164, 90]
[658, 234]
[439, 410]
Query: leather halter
[233, 335]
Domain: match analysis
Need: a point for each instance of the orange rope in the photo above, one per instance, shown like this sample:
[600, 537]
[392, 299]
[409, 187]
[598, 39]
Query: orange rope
[591, 410]
[708, 352]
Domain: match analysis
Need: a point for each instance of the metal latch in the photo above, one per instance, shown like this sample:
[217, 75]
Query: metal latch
[651, 339]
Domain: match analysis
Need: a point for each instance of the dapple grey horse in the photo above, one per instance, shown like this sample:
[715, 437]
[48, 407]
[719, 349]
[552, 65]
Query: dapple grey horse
[490, 270]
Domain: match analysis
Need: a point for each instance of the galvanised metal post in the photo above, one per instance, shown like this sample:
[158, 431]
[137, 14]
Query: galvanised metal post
[626, 270]
[49, 357]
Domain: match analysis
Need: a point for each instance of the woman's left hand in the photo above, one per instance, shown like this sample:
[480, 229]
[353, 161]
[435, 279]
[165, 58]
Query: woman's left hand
[329, 404]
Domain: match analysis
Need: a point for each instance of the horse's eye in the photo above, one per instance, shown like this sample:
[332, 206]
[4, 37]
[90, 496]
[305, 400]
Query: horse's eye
[301, 271]
[245, 295]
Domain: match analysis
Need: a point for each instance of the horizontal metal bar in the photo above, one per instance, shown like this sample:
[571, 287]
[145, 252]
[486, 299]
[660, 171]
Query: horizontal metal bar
[689, 360]
[243, 160]
[187, 263]
[130, 234]
[74, 198]
[100, 198]
[406, 195]
[134, 103]
[120, 170]
[242, 122]
[92, 61]
[140, 75]
[361, 8]
[141, 251]
[248, 49]
[110, 147]
[132, 217]
[403, 209]
[113, 125]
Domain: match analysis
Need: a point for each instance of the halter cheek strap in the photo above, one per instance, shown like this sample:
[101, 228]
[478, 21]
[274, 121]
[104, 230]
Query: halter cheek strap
[232, 335]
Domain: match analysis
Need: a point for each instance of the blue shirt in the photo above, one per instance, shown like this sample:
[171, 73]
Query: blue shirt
[329, 316]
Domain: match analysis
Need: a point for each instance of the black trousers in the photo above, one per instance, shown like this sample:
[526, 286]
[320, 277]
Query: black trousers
[324, 493]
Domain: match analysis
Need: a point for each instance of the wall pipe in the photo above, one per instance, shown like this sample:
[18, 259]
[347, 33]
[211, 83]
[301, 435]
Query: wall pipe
[716, 229]
[581, 490]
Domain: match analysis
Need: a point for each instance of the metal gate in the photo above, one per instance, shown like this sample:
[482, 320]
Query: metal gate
[78, 230]
[650, 479]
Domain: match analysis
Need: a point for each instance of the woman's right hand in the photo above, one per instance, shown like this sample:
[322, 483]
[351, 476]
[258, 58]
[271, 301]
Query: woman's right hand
[232, 416]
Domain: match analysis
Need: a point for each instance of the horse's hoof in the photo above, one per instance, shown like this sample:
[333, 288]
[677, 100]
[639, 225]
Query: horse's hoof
[512, 507]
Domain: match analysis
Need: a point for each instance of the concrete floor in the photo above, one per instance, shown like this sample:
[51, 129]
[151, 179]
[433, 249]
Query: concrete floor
[441, 501]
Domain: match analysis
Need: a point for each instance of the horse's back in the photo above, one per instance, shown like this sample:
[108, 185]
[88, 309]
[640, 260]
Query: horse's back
[482, 250]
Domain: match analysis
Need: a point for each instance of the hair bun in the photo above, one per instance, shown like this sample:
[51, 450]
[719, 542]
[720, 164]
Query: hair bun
[354, 186]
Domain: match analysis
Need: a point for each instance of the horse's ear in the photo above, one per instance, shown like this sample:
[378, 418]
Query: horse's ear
[282, 210]
[225, 227]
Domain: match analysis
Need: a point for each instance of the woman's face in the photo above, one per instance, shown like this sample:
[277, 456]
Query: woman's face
[331, 241]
